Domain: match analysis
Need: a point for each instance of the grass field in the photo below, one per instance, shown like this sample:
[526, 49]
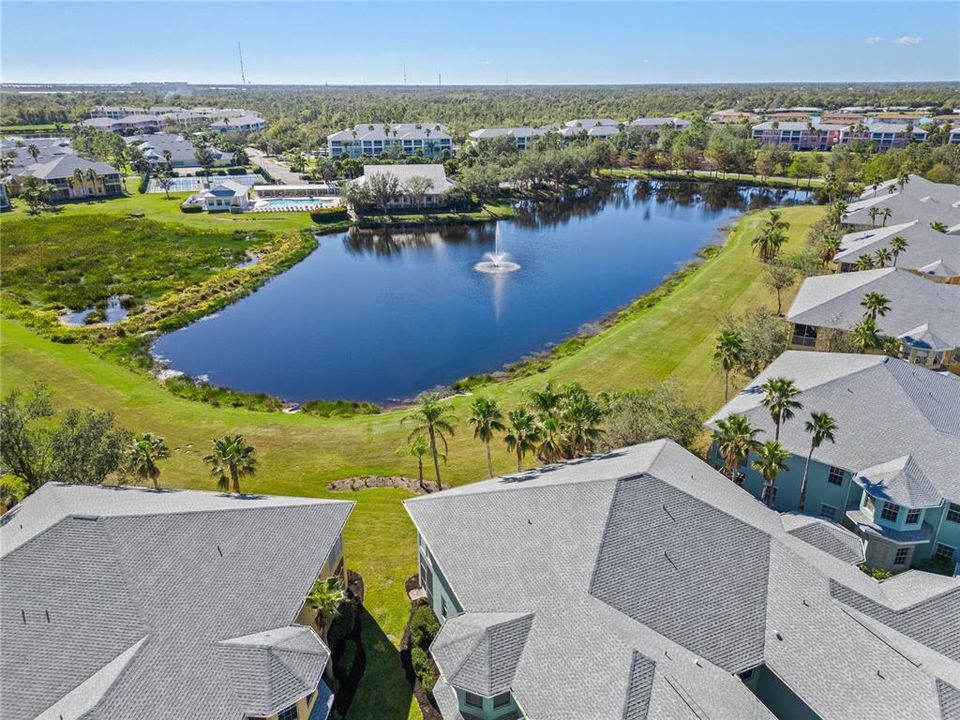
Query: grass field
[157, 206]
[299, 455]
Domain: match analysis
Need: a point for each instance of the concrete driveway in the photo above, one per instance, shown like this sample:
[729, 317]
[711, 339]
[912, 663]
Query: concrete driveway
[280, 173]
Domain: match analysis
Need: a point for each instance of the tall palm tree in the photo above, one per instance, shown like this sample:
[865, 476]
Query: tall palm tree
[773, 234]
[829, 247]
[898, 244]
[779, 395]
[821, 428]
[582, 419]
[866, 336]
[902, 179]
[523, 435]
[486, 418]
[143, 455]
[418, 447]
[33, 151]
[735, 438]
[729, 351]
[771, 461]
[886, 214]
[231, 459]
[864, 262]
[78, 177]
[875, 304]
[435, 420]
[326, 598]
[551, 448]
[873, 212]
[545, 402]
[883, 256]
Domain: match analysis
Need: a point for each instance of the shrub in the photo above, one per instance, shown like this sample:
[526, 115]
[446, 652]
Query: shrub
[331, 214]
[875, 572]
[423, 627]
[342, 625]
[472, 382]
[348, 656]
[191, 208]
[236, 171]
[423, 668]
[339, 408]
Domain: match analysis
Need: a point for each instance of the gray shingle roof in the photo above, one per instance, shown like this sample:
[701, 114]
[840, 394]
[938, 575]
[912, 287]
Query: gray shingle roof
[928, 250]
[271, 670]
[546, 543]
[657, 548]
[141, 587]
[919, 199]
[65, 165]
[949, 700]
[826, 536]
[885, 408]
[901, 480]
[920, 310]
[482, 650]
[434, 173]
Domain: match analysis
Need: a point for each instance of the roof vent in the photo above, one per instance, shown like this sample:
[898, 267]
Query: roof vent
[778, 635]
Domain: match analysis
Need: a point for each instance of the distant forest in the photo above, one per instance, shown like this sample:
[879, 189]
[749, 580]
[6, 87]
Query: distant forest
[313, 112]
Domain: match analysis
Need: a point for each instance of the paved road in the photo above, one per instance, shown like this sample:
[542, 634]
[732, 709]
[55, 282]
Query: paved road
[280, 173]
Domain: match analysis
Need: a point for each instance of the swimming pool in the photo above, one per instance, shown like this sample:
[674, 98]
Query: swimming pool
[297, 203]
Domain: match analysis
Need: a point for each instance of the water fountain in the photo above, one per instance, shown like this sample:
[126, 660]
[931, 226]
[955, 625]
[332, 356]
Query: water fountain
[496, 262]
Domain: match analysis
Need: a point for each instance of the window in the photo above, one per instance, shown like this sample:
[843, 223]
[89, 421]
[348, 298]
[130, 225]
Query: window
[828, 512]
[835, 476]
[890, 512]
[501, 700]
[953, 512]
[474, 701]
[289, 713]
[443, 608]
[771, 493]
[913, 517]
[901, 557]
[943, 552]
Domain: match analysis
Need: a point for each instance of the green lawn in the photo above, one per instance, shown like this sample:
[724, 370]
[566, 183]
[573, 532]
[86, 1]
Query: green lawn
[157, 206]
[300, 454]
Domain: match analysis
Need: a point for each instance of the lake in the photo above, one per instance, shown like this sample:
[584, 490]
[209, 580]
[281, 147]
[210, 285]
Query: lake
[383, 315]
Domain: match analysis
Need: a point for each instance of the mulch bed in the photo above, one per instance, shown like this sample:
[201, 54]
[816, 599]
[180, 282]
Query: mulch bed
[381, 481]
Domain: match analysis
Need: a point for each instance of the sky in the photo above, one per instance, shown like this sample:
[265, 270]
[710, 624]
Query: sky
[348, 43]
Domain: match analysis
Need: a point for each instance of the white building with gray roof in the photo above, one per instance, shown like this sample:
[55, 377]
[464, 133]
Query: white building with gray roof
[524, 135]
[643, 584]
[923, 315]
[928, 251]
[122, 603]
[391, 139]
[892, 473]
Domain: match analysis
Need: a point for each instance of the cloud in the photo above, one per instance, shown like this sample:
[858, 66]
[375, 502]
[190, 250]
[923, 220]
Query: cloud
[874, 40]
[908, 40]
[485, 62]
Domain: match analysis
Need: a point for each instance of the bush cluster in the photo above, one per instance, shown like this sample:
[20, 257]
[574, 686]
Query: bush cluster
[326, 215]
[191, 208]
[424, 627]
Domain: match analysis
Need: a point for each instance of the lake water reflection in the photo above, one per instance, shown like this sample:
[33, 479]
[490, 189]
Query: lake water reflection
[383, 315]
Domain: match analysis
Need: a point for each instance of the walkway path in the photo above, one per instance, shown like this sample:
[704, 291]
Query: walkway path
[280, 173]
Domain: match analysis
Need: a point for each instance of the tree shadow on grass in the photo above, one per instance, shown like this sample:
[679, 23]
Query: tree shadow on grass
[386, 691]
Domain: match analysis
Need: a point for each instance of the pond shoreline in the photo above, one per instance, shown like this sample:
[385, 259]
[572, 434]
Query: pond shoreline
[522, 364]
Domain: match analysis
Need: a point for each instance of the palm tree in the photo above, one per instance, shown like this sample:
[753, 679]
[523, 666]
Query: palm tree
[902, 179]
[864, 262]
[729, 351]
[829, 247]
[866, 336]
[883, 256]
[735, 438]
[898, 244]
[523, 435]
[143, 456]
[92, 176]
[232, 458]
[873, 212]
[821, 428]
[582, 418]
[33, 151]
[486, 418]
[545, 402]
[886, 214]
[418, 447]
[771, 461]
[78, 177]
[552, 447]
[326, 598]
[435, 420]
[875, 304]
[778, 398]
[773, 234]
